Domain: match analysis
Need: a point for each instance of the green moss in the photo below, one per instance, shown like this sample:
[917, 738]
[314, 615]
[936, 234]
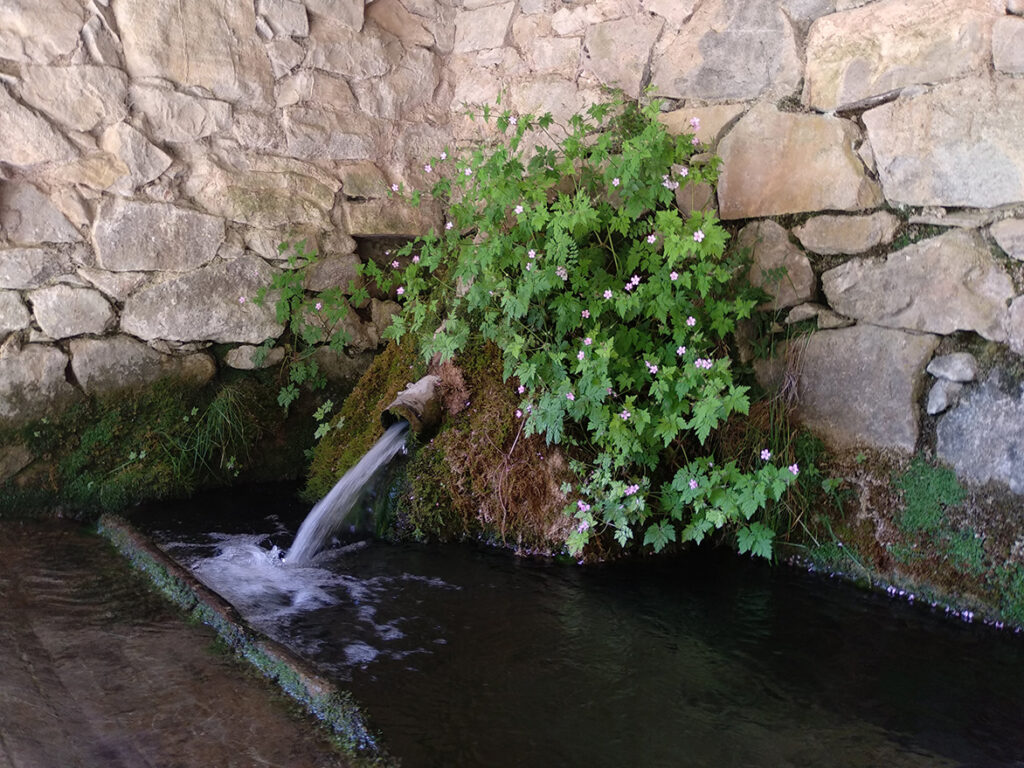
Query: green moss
[927, 492]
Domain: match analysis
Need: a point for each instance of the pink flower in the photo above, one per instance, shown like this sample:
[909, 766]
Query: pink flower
[521, 389]
[588, 341]
[625, 415]
[570, 396]
[693, 484]
[608, 293]
[615, 181]
[318, 306]
[695, 141]
[684, 171]
[580, 355]
[765, 454]
[695, 123]
[673, 276]
[444, 155]
[394, 264]
[428, 168]
[698, 236]
[795, 469]
[449, 225]
[584, 525]
[394, 187]
[680, 351]
[519, 414]
[529, 266]
[241, 299]
[400, 290]
[531, 253]
[691, 321]
[585, 314]
[518, 209]
[468, 171]
[513, 121]
[562, 272]
[415, 259]
[631, 489]
[652, 238]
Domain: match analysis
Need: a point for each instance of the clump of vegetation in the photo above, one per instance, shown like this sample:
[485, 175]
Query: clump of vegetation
[613, 314]
[927, 492]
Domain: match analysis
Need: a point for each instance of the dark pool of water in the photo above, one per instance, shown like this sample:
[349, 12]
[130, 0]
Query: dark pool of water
[465, 657]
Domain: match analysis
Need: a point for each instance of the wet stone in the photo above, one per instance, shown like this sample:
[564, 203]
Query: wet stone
[959, 366]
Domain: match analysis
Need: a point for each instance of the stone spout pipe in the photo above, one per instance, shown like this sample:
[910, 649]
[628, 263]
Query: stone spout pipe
[418, 403]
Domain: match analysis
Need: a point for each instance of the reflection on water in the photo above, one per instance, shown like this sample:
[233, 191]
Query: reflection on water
[467, 658]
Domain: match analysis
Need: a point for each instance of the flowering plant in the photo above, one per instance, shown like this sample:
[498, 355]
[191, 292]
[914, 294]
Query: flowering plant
[612, 310]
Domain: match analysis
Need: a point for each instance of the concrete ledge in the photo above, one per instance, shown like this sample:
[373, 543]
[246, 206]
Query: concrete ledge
[334, 707]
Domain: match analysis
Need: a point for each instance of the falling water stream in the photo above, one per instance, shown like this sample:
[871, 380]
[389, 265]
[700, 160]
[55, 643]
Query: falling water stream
[465, 657]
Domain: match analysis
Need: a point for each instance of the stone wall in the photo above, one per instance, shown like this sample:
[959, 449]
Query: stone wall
[155, 152]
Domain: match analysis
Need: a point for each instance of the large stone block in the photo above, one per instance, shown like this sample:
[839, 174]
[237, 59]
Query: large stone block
[940, 285]
[778, 162]
[14, 315]
[891, 44]
[132, 236]
[121, 362]
[711, 121]
[1008, 45]
[956, 145]
[1009, 234]
[27, 216]
[62, 311]
[264, 192]
[22, 268]
[29, 139]
[178, 117]
[80, 98]
[346, 13]
[779, 267]
[857, 386]
[847, 234]
[205, 305]
[390, 217]
[393, 17]
[197, 43]
[143, 159]
[41, 32]
[33, 384]
[983, 437]
[483, 28]
[314, 133]
[618, 53]
[730, 50]
[338, 48]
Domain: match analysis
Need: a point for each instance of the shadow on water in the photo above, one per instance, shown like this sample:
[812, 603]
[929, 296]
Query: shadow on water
[470, 658]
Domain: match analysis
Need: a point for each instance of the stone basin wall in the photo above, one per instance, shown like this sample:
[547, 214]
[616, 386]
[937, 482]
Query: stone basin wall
[154, 153]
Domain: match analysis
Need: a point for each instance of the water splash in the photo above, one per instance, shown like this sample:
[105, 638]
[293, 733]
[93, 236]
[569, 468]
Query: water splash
[332, 510]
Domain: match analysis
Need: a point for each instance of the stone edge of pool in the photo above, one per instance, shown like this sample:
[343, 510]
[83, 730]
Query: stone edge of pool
[332, 706]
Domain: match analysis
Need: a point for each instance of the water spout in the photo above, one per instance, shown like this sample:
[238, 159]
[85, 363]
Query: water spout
[417, 404]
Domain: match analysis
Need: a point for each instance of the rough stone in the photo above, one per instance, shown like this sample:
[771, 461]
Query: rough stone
[958, 366]
[40, 31]
[29, 139]
[928, 153]
[362, 180]
[1015, 325]
[382, 313]
[97, 170]
[103, 46]
[14, 315]
[941, 285]
[344, 51]
[177, 117]
[1015, 7]
[333, 271]
[692, 197]
[62, 311]
[554, 54]
[802, 312]
[712, 121]
[1008, 45]
[117, 285]
[22, 268]
[983, 437]
[342, 369]
[618, 53]
[847, 234]
[1009, 234]
[675, 12]
[27, 217]
[361, 336]
[348, 13]
[285, 17]
[549, 93]
[121, 362]
[805, 11]
[389, 217]
[285, 55]
[772, 251]
[328, 134]
[13, 459]
[317, 89]
[243, 357]
[828, 319]
[575, 20]
[143, 159]
[81, 98]
[409, 86]
[197, 43]
[731, 50]
[204, 305]
[942, 395]
[482, 28]
[858, 386]
[891, 44]
[392, 17]
[33, 384]
[264, 192]
[132, 236]
[776, 163]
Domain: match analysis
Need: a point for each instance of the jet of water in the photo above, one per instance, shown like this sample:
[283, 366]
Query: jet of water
[332, 510]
